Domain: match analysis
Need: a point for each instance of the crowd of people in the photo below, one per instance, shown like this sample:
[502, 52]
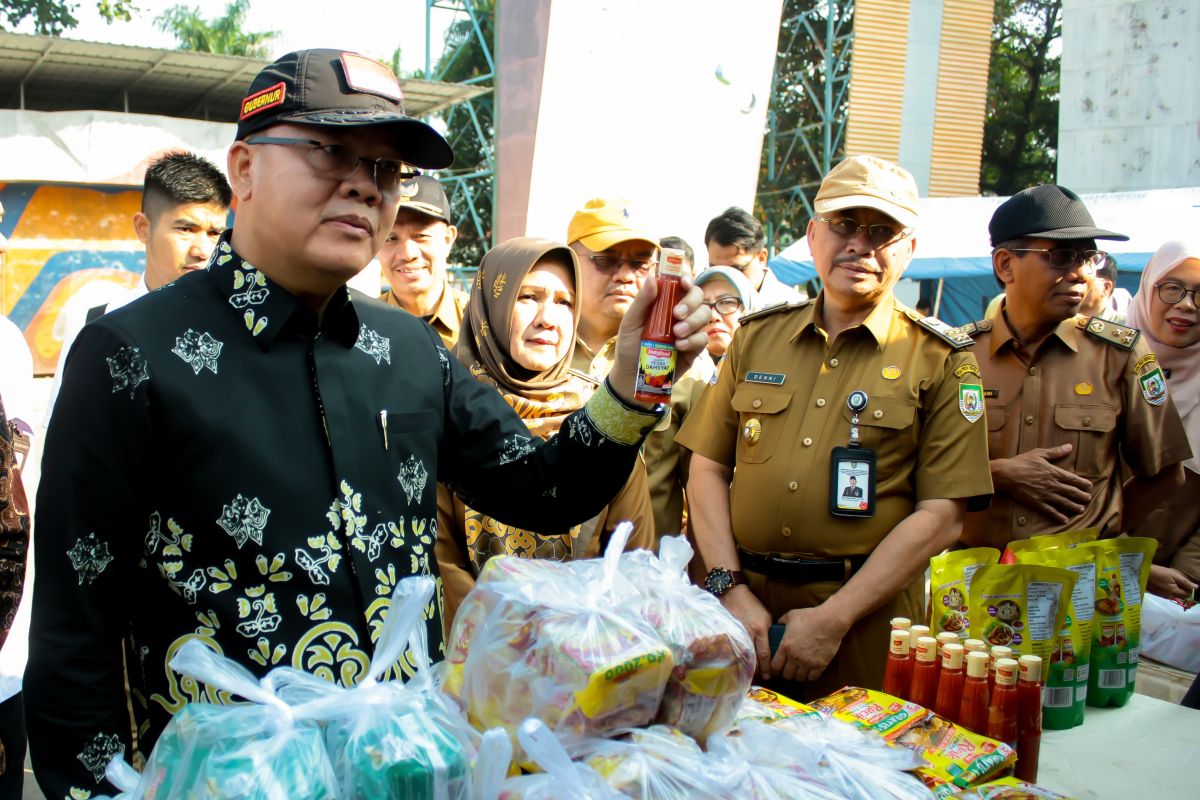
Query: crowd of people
[251, 455]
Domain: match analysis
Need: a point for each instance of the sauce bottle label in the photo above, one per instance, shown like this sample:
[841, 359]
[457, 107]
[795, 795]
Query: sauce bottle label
[656, 372]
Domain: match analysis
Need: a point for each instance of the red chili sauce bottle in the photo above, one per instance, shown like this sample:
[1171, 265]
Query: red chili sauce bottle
[999, 651]
[897, 675]
[1029, 718]
[924, 686]
[950, 685]
[656, 363]
[973, 710]
[1002, 711]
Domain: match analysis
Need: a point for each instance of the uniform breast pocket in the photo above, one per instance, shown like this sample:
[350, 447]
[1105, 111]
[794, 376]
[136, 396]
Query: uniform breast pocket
[762, 411]
[885, 422]
[997, 418]
[1089, 429]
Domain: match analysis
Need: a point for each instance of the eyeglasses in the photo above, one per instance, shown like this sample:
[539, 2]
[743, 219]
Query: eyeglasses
[1171, 293]
[610, 264]
[339, 162]
[1065, 258]
[878, 234]
[724, 305]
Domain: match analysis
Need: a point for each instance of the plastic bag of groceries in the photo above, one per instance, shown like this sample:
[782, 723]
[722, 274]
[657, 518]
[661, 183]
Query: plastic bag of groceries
[389, 739]
[123, 777]
[660, 763]
[544, 639]
[713, 654]
[248, 751]
[560, 777]
[1171, 633]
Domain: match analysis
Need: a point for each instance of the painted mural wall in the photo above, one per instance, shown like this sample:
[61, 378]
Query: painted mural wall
[71, 247]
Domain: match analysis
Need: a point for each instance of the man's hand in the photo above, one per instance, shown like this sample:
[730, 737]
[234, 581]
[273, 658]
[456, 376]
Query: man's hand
[1031, 480]
[742, 603]
[690, 339]
[1170, 583]
[810, 642]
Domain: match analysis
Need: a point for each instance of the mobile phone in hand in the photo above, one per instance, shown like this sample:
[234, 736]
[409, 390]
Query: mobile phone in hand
[774, 637]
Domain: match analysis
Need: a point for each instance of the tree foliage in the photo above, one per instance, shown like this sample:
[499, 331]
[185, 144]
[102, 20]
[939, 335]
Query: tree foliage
[52, 17]
[225, 35]
[1020, 137]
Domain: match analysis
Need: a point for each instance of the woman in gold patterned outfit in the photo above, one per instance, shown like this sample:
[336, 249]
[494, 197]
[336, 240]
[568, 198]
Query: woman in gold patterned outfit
[518, 335]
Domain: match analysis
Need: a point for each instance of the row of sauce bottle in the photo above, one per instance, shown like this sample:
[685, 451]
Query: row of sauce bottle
[989, 693]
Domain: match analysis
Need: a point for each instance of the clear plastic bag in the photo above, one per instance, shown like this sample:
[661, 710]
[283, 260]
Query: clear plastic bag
[660, 763]
[561, 777]
[123, 777]
[389, 740]
[713, 654]
[247, 751]
[551, 640]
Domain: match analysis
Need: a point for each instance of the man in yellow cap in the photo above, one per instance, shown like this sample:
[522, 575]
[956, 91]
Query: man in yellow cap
[810, 395]
[615, 256]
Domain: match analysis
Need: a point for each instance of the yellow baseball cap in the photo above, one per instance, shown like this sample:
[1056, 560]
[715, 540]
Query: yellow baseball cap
[604, 222]
[870, 182]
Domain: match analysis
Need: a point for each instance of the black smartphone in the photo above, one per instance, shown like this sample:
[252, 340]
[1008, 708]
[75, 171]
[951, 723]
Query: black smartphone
[774, 637]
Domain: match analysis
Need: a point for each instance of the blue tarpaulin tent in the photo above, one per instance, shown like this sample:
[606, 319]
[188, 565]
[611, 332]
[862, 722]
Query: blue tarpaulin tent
[954, 254]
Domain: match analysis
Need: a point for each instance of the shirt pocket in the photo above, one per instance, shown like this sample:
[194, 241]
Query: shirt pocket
[997, 418]
[886, 421]
[1089, 429]
[761, 414]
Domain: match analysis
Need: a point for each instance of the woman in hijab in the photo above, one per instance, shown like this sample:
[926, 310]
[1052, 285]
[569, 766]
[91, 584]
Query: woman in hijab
[1165, 309]
[518, 335]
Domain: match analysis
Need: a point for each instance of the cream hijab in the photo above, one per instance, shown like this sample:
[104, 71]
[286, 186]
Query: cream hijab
[1184, 362]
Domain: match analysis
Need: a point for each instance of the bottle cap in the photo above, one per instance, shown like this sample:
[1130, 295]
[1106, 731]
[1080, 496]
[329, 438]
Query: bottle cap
[901, 643]
[946, 637]
[952, 656]
[670, 262]
[1031, 668]
[977, 664]
[918, 631]
[999, 651]
[901, 623]
[926, 649]
[975, 645]
[1006, 672]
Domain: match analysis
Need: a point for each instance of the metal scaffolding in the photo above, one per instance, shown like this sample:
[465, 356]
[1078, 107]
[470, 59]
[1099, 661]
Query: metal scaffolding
[806, 121]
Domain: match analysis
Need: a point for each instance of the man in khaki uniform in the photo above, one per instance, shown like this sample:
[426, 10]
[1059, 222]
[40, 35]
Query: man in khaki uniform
[415, 255]
[761, 500]
[615, 257]
[1070, 400]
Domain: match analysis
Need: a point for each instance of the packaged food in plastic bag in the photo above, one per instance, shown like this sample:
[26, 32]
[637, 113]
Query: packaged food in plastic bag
[766, 705]
[1009, 789]
[542, 642]
[560, 777]
[1171, 632]
[388, 739]
[1048, 541]
[247, 751]
[659, 763]
[123, 777]
[950, 585]
[1021, 606]
[713, 653]
[775, 769]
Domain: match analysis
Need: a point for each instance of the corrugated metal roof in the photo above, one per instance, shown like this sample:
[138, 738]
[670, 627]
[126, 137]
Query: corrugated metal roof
[47, 73]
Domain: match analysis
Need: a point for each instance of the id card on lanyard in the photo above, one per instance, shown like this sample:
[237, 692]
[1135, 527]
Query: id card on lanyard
[852, 469]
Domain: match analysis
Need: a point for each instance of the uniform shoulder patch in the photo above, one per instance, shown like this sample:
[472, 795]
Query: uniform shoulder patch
[1120, 336]
[973, 329]
[958, 338]
[775, 308]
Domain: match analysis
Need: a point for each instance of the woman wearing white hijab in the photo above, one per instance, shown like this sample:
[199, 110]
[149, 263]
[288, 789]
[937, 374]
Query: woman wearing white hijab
[1167, 310]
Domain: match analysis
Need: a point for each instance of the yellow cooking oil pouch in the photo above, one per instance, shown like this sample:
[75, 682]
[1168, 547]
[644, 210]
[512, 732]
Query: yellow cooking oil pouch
[1122, 569]
[1022, 606]
[1067, 675]
[1049, 541]
[950, 583]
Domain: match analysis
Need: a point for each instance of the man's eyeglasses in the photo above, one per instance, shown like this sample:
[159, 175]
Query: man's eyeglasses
[878, 234]
[338, 162]
[724, 305]
[1065, 258]
[610, 263]
[1171, 293]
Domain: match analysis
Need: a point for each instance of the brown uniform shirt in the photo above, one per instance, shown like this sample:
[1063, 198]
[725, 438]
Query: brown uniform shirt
[926, 448]
[596, 365]
[1082, 386]
[447, 316]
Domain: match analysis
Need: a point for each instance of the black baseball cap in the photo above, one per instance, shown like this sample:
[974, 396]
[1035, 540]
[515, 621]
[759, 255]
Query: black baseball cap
[336, 88]
[1046, 212]
[425, 194]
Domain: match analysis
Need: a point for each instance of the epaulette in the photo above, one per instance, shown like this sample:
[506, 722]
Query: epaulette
[973, 329]
[774, 309]
[1117, 335]
[955, 337]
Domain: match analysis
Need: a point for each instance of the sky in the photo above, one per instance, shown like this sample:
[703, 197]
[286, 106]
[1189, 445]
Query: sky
[371, 27]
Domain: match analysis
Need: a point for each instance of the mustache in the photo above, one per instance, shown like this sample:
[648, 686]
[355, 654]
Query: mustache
[855, 261]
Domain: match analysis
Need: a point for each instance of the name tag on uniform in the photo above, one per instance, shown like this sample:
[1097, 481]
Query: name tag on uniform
[775, 378]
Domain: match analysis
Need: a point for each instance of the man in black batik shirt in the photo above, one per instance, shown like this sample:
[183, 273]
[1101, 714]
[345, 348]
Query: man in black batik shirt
[249, 455]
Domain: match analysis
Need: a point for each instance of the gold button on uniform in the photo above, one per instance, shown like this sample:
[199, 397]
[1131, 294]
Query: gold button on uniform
[757, 403]
[1029, 420]
[752, 432]
[807, 441]
[820, 402]
[793, 486]
[1021, 520]
[1087, 421]
[833, 362]
[878, 414]
[787, 531]
[1033, 370]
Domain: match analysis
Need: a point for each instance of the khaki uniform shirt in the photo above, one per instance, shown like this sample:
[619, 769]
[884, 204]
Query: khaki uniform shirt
[926, 448]
[596, 365]
[1082, 386]
[1176, 526]
[447, 316]
[662, 453]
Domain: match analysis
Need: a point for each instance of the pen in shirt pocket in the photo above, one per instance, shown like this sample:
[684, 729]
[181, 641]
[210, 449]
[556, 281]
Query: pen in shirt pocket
[383, 427]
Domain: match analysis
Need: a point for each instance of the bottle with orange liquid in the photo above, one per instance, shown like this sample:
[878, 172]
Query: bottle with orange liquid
[656, 363]
[901, 623]
[897, 676]
[1002, 710]
[999, 651]
[917, 632]
[973, 710]
[944, 638]
[975, 645]
[924, 686]
[1029, 718]
[950, 684]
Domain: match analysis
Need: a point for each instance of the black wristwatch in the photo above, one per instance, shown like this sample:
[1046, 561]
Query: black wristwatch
[719, 580]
